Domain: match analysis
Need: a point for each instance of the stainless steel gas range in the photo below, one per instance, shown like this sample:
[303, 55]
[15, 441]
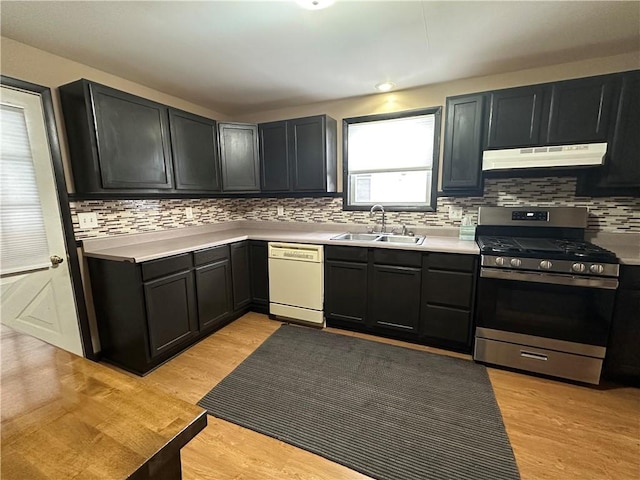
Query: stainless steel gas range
[545, 296]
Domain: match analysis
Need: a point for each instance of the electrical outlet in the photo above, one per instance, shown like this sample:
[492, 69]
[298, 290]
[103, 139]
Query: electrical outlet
[455, 213]
[280, 210]
[87, 220]
[188, 211]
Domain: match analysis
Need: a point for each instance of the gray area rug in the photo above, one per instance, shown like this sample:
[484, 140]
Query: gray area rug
[388, 412]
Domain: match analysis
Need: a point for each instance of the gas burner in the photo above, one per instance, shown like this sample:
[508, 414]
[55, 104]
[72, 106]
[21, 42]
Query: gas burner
[545, 249]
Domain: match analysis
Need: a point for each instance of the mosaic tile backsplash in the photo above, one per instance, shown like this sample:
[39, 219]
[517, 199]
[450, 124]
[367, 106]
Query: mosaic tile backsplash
[606, 214]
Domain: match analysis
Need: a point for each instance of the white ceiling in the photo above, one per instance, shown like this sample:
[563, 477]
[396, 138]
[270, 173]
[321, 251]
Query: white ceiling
[246, 56]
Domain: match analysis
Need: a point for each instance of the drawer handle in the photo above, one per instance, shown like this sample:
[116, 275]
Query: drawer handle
[533, 356]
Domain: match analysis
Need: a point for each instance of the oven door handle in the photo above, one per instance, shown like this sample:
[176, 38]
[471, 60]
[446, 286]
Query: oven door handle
[552, 278]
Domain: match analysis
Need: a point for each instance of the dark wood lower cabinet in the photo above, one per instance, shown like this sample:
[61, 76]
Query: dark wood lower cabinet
[346, 291]
[170, 303]
[421, 297]
[448, 296]
[213, 287]
[395, 298]
[622, 362]
[446, 323]
[241, 275]
[259, 260]
[147, 312]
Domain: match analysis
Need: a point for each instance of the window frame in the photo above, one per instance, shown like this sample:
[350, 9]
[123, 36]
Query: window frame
[437, 112]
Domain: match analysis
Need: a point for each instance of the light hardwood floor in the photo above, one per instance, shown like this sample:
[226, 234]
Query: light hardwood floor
[557, 430]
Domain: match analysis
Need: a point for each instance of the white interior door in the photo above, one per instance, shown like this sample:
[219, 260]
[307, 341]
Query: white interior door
[36, 293]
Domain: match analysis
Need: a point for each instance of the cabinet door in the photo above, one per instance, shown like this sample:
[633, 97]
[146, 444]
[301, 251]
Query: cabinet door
[259, 258]
[462, 164]
[621, 172]
[274, 157]
[171, 311]
[239, 157]
[580, 110]
[195, 151]
[132, 140]
[395, 298]
[623, 354]
[345, 291]
[515, 117]
[308, 150]
[241, 275]
[213, 288]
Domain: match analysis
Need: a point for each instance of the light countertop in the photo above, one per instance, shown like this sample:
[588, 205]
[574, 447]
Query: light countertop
[150, 246]
[626, 246]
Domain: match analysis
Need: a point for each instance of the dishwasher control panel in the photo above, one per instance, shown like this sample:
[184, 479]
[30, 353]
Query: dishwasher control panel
[298, 252]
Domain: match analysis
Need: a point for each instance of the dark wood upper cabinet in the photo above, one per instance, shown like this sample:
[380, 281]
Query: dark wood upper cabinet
[274, 157]
[464, 132]
[312, 150]
[620, 174]
[515, 117]
[117, 141]
[299, 155]
[194, 144]
[239, 157]
[580, 110]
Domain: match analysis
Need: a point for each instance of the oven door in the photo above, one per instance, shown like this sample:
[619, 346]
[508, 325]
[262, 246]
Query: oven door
[561, 307]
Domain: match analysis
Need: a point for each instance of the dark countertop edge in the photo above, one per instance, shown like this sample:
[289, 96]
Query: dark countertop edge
[173, 447]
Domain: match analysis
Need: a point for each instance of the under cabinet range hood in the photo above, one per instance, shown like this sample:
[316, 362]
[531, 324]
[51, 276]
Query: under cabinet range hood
[561, 156]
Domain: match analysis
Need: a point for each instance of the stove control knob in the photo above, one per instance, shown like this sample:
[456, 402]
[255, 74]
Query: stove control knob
[578, 267]
[500, 261]
[546, 264]
[515, 262]
[596, 268]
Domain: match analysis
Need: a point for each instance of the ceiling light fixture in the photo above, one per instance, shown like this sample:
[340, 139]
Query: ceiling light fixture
[315, 4]
[385, 86]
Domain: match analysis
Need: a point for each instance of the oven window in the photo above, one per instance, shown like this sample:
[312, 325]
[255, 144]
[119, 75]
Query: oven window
[574, 314]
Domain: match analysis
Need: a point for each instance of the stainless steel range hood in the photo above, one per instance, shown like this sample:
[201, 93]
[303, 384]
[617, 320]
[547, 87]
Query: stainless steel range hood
[562, 156]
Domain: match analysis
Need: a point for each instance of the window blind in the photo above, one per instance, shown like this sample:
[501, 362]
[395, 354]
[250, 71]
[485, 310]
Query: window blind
[387, 145]
[23, 240]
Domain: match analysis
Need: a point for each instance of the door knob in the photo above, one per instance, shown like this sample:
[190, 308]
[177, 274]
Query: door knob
[56, 260]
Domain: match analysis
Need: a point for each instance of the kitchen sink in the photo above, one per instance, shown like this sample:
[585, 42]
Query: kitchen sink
[416, 240]
[378, 237]
[357, 237]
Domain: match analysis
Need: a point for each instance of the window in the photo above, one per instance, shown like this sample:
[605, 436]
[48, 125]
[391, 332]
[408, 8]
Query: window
[392, 160]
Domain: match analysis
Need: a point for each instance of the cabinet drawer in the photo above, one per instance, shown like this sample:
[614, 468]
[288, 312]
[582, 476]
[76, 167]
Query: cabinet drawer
[210, 255]
[446, 324]
[354, 254]
[448, 288]
[451, 261]
[534, 359]
[397, 257]
[165, 266]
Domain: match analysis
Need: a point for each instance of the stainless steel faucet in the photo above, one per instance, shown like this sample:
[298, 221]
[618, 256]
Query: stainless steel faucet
[379, 208]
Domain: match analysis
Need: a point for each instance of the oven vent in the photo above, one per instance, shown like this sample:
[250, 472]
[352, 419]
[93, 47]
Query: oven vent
[557, 156]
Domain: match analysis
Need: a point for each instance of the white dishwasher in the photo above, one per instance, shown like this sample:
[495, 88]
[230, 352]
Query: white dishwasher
[296, 281]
